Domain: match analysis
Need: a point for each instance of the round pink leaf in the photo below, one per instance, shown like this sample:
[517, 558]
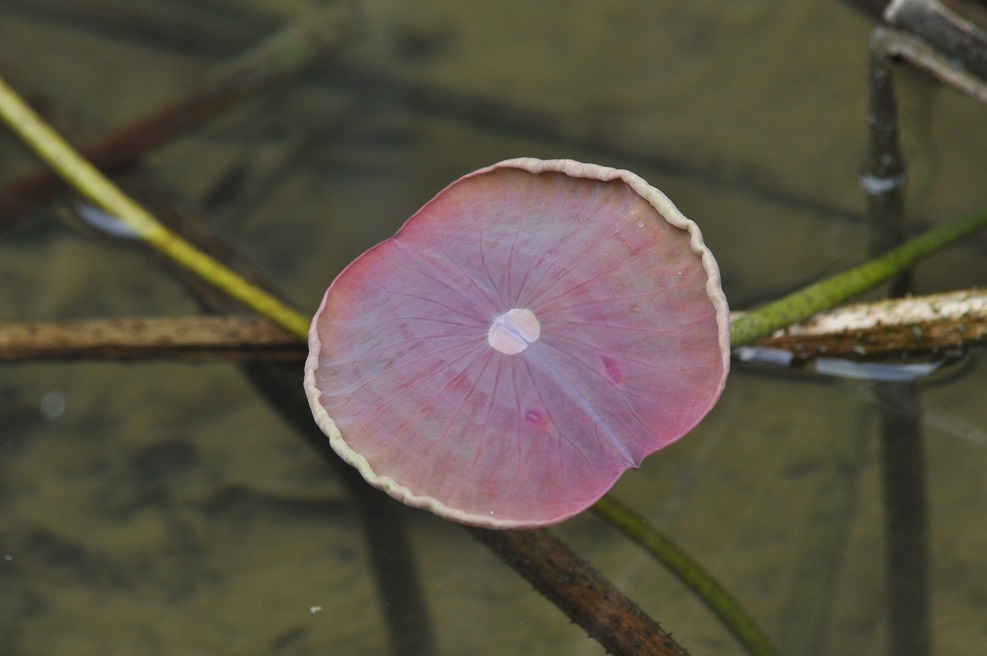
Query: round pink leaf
[535, 330]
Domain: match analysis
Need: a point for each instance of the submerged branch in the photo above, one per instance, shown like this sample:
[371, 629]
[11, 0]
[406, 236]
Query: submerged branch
[283, 53]
[587, 598]
[367, 81]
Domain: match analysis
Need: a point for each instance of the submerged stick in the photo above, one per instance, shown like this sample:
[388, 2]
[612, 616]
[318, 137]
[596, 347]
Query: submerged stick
[602, 610]
[902, 450]
[281, 54]
[811, 601]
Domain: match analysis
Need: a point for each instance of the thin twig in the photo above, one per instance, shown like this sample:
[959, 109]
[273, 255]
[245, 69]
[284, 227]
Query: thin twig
[278, 56]
[188, 339]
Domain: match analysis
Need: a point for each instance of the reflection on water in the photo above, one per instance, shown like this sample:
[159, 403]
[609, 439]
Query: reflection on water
[935, 418]
[165, 508]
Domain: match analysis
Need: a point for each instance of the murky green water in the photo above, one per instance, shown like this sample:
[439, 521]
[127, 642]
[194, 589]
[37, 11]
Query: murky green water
[164, 508]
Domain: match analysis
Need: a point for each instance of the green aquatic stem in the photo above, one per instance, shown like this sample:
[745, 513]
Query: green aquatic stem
[96, 187]
[827, 294]
[690, 573]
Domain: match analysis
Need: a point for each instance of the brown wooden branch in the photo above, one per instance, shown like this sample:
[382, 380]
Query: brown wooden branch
[187, 339]
[917, 325]
[587, 598]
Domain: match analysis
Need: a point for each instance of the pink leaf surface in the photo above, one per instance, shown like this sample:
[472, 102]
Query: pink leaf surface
[617, 344]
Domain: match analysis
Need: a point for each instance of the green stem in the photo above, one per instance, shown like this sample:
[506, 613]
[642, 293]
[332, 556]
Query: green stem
[841, 287]
[96, 187]
[690, 573]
